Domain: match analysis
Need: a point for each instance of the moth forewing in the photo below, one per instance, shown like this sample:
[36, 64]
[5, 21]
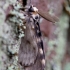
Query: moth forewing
[28, 48]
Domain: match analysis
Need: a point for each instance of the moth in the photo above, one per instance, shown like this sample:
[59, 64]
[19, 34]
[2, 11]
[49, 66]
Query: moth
[32, 40]
[27, 21]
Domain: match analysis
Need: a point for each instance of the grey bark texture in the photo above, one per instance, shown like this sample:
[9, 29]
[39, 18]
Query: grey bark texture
[55, 47]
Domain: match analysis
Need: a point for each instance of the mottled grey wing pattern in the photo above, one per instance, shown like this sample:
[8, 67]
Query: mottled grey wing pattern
[32, 42]
[28, 49]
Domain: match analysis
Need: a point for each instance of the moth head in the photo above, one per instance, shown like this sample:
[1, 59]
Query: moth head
[33, 9]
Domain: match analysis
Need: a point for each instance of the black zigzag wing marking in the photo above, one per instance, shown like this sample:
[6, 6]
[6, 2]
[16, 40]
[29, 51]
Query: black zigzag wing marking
[40, 43]
[37, 28]
[38, 34]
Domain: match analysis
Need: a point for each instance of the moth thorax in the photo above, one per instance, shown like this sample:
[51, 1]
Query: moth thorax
[35, 16]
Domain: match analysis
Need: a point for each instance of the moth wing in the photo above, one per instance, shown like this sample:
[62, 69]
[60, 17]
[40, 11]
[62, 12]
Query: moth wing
[28, 50]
